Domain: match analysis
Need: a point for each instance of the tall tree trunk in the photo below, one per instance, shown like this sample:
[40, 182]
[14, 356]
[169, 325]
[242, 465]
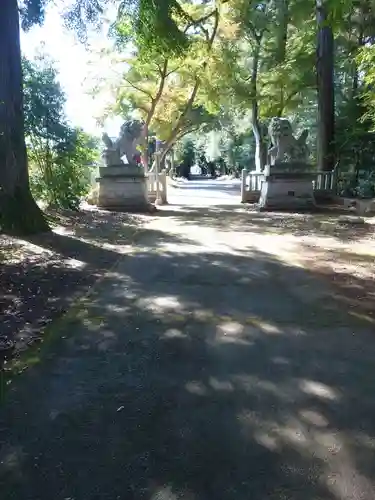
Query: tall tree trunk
[283, 16]
[360, 42]
[150, 115]
[18, 211]
[325, 87]
[282, 29]
[260, 147]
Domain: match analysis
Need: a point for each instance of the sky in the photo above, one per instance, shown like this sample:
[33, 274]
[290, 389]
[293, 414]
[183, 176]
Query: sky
[75, 72]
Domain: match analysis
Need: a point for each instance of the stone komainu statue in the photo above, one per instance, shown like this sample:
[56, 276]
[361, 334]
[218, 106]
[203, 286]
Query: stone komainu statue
[285, 147]
[131, 133]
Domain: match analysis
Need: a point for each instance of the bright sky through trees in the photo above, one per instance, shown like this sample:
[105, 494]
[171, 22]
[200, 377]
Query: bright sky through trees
[72, 62]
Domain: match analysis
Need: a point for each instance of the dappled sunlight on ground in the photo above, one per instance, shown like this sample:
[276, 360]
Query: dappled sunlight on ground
[213, 360]
[341, 253]
[41, 276]
[274, 391]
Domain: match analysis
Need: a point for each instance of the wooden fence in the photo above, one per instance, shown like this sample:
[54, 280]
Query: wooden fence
[251, 182]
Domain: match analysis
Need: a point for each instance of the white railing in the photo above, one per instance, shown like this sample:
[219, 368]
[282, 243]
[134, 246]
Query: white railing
[157, 183]
[324, 181]
[251, 184]
[157, 187]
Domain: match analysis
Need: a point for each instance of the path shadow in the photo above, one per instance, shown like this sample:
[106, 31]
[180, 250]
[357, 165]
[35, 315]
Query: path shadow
[38, 288]
[324, 222]
[199, 375]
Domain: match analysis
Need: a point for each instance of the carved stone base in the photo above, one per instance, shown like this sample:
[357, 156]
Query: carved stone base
[286, 190]
[123, 187]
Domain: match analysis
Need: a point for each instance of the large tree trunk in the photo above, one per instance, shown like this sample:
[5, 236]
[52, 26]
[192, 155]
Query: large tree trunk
[282, 29]
[260, 147]
[281, 40]
[325, 86]
[18, 211]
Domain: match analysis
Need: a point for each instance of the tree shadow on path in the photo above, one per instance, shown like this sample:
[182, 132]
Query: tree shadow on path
[324, 222]
[42, 276]
[198, 375]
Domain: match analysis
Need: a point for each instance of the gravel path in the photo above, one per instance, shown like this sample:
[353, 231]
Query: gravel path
[211, 363]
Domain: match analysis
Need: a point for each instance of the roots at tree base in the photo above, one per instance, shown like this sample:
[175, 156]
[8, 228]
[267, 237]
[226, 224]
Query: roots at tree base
[19, 214]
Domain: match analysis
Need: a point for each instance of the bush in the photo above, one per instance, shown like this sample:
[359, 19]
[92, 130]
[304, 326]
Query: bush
[61, 177]
[366, 187]
[59, 155]
[353, 187]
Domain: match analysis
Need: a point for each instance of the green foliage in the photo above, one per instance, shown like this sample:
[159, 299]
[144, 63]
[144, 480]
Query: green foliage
[354, 137]
[282, 35]
[44, 100]
[155, 24]
[355, 142]
[366, 61]
[187, 153]
[168, 89]
[235, 146]
[366, 186]
[59, 155]
[65, 179]
[78, 15]
[32, 12]
[158, 30]
[173, 61]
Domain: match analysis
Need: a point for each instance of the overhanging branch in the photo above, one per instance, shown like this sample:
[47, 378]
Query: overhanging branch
[139, 89]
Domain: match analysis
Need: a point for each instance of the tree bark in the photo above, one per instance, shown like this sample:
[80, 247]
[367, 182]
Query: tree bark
[260, 156]
[259, 137]
[283, 16]
[281, 40]
[325, 87]
[260, 147]
[168, 146]
[19, 212]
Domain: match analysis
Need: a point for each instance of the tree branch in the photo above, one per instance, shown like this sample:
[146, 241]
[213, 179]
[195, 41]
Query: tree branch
[201, 20]
[195, 22]
[173, 71]
[185, 132]
[178, 137]
[143, 108]
[159, 93]
[193, 94]
[139, 89]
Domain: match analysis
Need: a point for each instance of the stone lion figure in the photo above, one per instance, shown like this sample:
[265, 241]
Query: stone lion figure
[285, 147]
[130, 136]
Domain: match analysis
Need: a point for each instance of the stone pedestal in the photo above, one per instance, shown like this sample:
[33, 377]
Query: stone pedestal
[123, 187]
[287, 186]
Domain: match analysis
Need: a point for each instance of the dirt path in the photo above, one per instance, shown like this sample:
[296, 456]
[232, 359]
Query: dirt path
[214, 362]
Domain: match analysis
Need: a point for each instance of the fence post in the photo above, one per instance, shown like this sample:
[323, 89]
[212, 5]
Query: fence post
[157, 187]
[243, 185]
[145, 163]
[172, 172]
[334, 180]
[163, 182]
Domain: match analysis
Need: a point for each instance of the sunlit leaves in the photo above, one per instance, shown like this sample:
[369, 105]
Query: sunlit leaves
[58, 154]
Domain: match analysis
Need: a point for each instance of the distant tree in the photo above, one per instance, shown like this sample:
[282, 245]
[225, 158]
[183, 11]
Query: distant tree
[59, 155]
